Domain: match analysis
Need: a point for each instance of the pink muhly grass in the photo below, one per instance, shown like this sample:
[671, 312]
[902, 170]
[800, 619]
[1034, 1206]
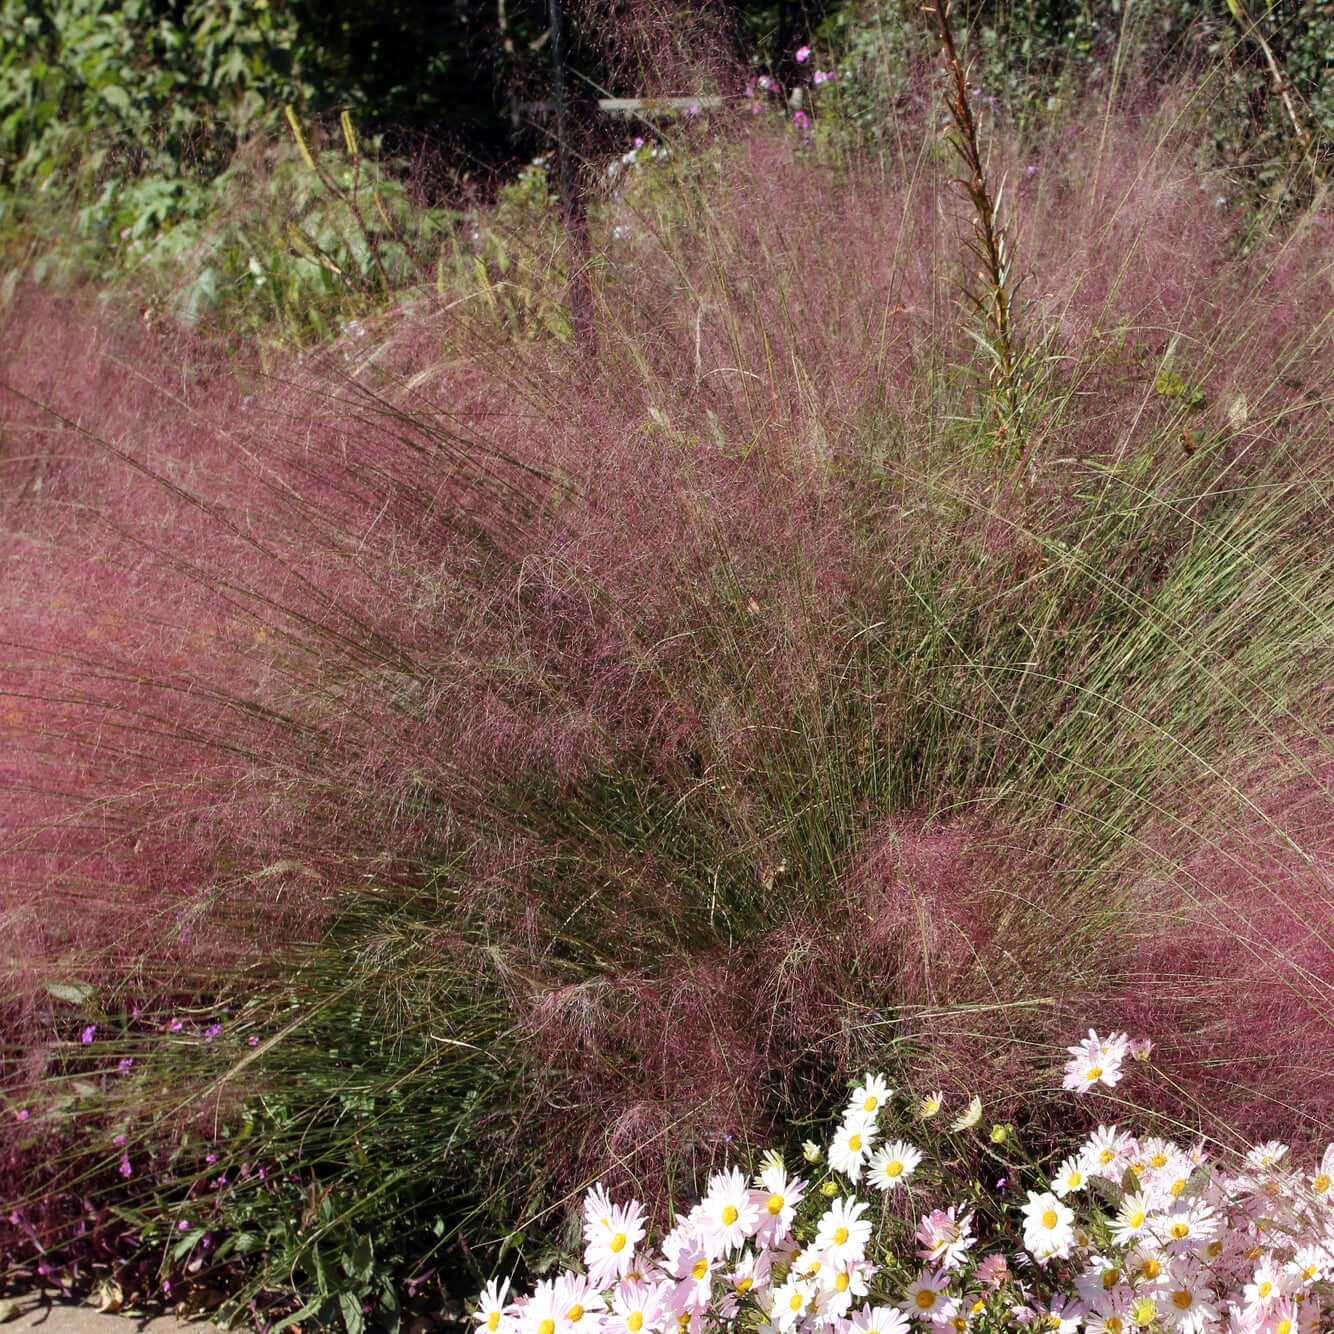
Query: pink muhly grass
[736, 725]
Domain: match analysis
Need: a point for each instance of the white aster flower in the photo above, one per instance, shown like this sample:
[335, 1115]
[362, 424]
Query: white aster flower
[1048, 1226]
[1095, 1062]
[610, 1242]
[878, 1320]
[851, 1146]
[490, 1315]
[793, 1298]
[1070, 1177]
[969, 1117]
[930, 1105]
[843, 1232]
[728, 1213]
[891, 1166]
[1131, 1219]
[870, 1095]
[926, 1294]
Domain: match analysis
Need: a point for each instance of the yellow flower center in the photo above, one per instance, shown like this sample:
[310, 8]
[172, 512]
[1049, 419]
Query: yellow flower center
[959, 1323]
[1106, 1157]
[1180, 1230]
[1049, 1218]
[794, 1302]
[1053, 1322]
[842, 1281]
[1095, 1072]
[1182, 1299]
[575, 1313]
[730, 1214]
[894, 1169]
[1073, 1179]
[745, 1284]
[1150, 1268]
[618, 1243]
[548, 1326]
[1266, 1288]
[493, 1321]
[1321, 1184]
[1159, 1160]
[701, 1267]
[1284, 1326]
[1110, 1278]
[774, 1204]
[840, 1236]
[1178, 1185]
[979, 1306]
[855, 1143]
[1113, 1324]
[869, 1105]
[636, 1322]
[925, 1299]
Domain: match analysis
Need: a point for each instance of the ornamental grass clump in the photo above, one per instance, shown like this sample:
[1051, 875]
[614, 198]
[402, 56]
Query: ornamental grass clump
[1129, 1232]
[534, 767]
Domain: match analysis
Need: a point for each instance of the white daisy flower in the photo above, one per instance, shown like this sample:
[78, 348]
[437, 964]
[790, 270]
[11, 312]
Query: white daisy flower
[843, 1232]
[1070, 1177]
[490, 1315]
[926, 1294]
[969, 1117]
[891, 1166]
[1048, 1226]
[851, 1146]
[870, 1095]
[728, 1213]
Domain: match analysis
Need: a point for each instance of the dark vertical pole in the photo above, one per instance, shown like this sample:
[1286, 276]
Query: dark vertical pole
[572, 205]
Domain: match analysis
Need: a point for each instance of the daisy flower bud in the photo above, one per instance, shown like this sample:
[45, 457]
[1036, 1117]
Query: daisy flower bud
[810, 1150]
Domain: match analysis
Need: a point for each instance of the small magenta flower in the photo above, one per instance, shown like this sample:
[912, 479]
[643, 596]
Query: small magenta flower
[183, 1225]
[212, 1031]
[252, 1041]
[639, 141]
[176, 1025]
[803, 54]
[118, 1139]
[765, 82]
[23, 1113]
[125, 1169]
[124, 1063]
[822, 76]
[88, 1033]
[801, 120]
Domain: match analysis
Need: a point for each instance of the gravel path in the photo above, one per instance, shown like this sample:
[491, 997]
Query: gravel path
[31, 1315]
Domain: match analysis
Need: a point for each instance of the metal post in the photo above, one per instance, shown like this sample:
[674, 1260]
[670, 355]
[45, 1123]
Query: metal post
[572, 205]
